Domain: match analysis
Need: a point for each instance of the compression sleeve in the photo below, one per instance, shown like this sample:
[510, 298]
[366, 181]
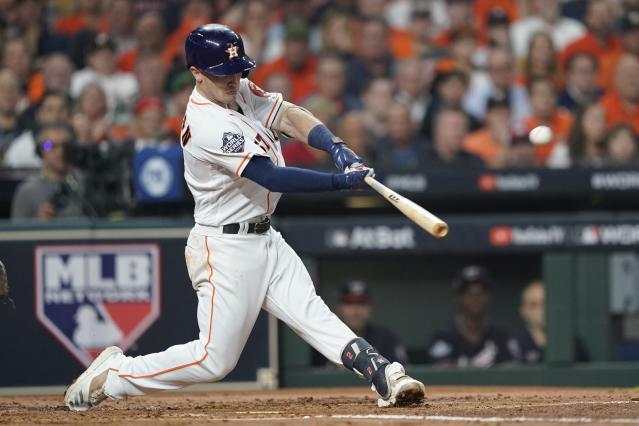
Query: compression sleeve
[262, 171]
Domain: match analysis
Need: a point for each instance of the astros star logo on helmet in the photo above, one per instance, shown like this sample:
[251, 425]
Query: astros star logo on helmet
[232, 51]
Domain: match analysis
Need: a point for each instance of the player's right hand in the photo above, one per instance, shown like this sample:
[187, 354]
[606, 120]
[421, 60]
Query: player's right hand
[355, 176]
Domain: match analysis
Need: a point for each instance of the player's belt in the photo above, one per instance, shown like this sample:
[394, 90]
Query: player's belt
[251, 228]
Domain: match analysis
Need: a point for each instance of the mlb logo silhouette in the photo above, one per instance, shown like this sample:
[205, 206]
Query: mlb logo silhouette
[93, 296]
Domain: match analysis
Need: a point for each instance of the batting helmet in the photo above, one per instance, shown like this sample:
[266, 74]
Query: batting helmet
[217, 50]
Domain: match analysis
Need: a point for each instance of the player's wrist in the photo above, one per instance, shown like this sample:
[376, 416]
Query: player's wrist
[321, 137]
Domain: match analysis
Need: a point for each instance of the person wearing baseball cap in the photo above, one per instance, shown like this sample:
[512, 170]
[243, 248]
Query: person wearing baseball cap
[471, 340]
[355, 310]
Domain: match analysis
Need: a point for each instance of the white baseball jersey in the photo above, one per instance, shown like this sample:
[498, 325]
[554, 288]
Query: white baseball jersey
[218, 144]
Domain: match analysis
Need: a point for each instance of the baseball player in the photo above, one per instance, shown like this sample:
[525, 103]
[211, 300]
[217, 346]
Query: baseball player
[237, 263]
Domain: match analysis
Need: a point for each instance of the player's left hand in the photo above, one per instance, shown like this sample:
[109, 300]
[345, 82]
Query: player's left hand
[344, 157]
[355, 176]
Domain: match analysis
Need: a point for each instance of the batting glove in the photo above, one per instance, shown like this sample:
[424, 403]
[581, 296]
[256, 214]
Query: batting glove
[355, 177]
[344, 157]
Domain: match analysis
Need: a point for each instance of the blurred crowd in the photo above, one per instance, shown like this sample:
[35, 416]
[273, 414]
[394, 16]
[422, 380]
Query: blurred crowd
[412, 85]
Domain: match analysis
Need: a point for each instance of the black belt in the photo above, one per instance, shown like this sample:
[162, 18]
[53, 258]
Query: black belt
[253, 228]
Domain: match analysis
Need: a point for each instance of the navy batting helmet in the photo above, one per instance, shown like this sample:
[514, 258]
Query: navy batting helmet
[217, 50]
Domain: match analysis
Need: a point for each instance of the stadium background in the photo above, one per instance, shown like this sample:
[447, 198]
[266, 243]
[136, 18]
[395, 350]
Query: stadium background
[378, 73]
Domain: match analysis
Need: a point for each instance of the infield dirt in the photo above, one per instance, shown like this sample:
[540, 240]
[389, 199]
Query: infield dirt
[343, 406]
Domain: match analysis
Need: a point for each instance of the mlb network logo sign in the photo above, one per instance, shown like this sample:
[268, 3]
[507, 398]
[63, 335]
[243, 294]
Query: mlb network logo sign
[93, 296]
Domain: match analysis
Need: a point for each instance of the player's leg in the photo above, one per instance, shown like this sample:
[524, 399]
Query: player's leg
[291, 297]
[230, 292]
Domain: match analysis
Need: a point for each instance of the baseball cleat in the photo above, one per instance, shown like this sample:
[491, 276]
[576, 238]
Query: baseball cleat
[88, 390]
[402, 389]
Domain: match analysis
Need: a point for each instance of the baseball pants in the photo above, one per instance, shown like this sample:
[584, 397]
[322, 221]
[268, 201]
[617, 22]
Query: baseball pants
[234, 276]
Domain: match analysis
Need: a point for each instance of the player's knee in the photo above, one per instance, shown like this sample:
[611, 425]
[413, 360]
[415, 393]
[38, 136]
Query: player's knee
[216, 368]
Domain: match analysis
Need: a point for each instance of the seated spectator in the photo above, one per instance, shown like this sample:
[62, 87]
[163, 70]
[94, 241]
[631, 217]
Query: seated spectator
[336, 34]
[55, 107]
[621, 143]
[417, 41]
[58, 191]
[400, 150]
[471, 340]
[493, 18]
[11, 123]
[372, 57]
[87, 16]
[16, 56]
[500, 82]
[531, 341]
[621, 103]
[355, 310]
[352, 129]
[262, 37]
[150, 35]
[149, 130]
[520, 154]
[448, 91]
[586, 141]
[447, 148]
[278, 83]
[331, 78]
[151, 76]
[546, 17]
[600, 41]
[120, 88]
[581, 81]
[92, 121]
[629, 29]
[491, 142]
[460, 19]
[57, 70]
[377, 96]
[297, 62]
[412, 79]
[541, 60]
[122, 25]
[543, 98]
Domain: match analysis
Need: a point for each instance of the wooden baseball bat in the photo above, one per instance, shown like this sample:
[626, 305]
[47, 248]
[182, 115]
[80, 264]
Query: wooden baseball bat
[425, 219]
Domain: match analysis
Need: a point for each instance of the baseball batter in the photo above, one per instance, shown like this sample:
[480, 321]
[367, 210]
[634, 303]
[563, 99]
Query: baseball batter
[237, 263]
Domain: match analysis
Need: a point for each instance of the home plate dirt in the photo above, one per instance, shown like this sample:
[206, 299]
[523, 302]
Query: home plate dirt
[344, 406]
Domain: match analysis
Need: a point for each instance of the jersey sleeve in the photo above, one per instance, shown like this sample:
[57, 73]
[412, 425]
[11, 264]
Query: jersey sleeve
[227, 145]
[266, 106]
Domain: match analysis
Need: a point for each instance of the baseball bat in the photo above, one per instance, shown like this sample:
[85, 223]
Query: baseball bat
[422, 217]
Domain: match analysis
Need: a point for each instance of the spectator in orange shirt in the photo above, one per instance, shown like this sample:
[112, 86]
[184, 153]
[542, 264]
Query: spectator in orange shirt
[372, 58]
[621, 143]
[543, 99]
[599, 41]
[297, 62]
[460, 16]
[88, 16]
[581, 81]
[417, 41]
[622, 102]
[483, 9]
[491, 142]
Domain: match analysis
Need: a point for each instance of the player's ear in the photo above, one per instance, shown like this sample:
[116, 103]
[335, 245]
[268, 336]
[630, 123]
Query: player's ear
[197, 75]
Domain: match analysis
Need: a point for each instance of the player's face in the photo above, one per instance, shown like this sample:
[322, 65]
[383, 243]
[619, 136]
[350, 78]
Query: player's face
[221, 90]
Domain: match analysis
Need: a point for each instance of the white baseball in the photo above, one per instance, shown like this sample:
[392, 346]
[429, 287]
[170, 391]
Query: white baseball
[540, 135]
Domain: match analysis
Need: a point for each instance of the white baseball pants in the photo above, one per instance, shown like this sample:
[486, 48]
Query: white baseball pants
[234, 276]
